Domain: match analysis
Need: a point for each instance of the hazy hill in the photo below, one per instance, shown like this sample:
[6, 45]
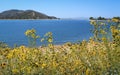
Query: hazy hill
[24, 14]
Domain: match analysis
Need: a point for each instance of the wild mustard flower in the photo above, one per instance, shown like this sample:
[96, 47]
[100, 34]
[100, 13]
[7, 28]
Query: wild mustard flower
[37, 64]
[15, 71]
[29, 70]
[32, 37]
[43, 65]
[50, 40]
[54, 64]
[10, 55]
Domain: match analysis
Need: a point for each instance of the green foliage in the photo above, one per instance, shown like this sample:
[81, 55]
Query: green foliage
[116, 18]
[99, 18]
[100, 30]
[48, 38]
[112, 47]
[115, 29]
[91, 18]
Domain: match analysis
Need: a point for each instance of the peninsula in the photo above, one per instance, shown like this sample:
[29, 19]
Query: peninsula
[24, 14]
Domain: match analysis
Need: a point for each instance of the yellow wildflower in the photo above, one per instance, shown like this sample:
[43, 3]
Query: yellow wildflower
[9, 56]
[37, 64]
[43, 65]
[29, 70]
[15, 71]
[55, 64]
[50, 40]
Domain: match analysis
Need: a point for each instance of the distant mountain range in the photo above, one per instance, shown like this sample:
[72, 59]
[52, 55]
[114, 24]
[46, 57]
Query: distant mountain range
[24, 14]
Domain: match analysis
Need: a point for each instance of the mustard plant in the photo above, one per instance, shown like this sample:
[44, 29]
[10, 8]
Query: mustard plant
[32, 37]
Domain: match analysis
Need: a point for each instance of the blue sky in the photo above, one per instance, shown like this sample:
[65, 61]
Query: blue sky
[66, 8]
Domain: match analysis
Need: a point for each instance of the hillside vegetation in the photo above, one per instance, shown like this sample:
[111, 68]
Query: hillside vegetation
[24, 14]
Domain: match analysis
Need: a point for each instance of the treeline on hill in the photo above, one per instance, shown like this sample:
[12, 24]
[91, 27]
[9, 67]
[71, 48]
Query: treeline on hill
[97, 56]
[103, 18]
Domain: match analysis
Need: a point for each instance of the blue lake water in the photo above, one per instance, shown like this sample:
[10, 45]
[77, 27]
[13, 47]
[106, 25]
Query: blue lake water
[12, 31]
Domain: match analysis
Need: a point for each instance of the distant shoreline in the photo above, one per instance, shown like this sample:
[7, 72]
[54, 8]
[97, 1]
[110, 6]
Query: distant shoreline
[30, 19]
[46, 19]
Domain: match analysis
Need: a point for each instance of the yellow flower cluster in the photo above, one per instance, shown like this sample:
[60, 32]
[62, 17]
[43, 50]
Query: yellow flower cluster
[85, 58]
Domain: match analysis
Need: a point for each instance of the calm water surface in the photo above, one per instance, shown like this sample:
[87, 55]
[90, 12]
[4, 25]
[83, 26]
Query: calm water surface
[12, 31]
